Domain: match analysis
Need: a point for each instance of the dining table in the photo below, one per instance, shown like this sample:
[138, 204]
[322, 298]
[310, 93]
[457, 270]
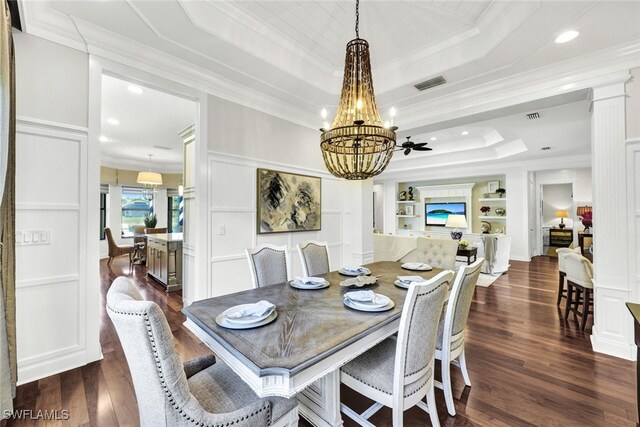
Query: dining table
[300, 352]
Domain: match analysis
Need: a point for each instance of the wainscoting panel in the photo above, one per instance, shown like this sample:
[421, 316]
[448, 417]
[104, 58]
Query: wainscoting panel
[233, 220]
[53, 310]
[57, 329]
[33, 260]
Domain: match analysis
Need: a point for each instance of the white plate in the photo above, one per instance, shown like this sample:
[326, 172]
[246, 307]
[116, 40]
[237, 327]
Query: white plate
[344, 272]
[309, 287]
[401, 284]
[246, 319]
[407, 266]
[359, 281]
[358, 307]
[224, 322]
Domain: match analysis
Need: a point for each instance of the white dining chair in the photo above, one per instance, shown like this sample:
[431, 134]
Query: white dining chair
[450, 341]
[169, 393]
[398, 373]
[269, 264]
[314, 257]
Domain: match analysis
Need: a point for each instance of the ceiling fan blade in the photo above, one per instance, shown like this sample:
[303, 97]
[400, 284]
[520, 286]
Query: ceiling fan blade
[422, 148]
[407, 151]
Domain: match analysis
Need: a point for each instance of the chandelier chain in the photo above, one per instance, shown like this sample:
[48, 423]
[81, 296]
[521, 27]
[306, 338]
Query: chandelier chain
[357, 19]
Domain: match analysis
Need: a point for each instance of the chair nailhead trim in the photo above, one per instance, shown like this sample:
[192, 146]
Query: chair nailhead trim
[266, 407]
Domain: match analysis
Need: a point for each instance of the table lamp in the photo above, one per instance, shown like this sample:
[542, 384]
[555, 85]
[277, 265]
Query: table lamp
[456, 222]
[562, 215]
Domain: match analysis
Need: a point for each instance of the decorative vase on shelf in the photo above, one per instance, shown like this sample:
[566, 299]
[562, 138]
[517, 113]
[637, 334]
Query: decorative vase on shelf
[485, 210]
[501, 211]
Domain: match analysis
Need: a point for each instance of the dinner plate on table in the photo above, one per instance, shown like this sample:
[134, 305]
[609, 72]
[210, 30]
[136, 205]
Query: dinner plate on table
[416, 266]
[364, 271]
[246, 322]
[384, 305]
[300, 285]
[406, 285]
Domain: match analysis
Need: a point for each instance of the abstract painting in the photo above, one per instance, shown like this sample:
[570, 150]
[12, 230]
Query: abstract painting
[288, 202]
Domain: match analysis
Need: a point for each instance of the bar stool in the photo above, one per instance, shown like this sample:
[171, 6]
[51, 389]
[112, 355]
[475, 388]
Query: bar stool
[562, 270]
[579, 279]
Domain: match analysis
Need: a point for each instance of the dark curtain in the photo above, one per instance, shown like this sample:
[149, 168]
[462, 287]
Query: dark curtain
[8, 364]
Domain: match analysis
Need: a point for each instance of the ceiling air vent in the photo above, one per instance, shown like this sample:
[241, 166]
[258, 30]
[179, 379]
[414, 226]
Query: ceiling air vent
[428, 84]
[546, 148]
[161, 147]
[533, 116]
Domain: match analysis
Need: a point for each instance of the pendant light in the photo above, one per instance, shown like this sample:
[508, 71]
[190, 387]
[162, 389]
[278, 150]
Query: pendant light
[357, 146]
[150, 181]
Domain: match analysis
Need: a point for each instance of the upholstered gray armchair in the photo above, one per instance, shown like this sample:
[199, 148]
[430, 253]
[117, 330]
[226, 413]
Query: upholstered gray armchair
[198, 393]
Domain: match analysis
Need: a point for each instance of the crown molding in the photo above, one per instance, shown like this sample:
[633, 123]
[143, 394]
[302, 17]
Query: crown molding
[571, 75]
[484, 168]
[584, 72]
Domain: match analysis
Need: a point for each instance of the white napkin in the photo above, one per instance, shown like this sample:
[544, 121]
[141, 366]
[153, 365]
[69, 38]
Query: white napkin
[355, 269]
[366, 296]
[409, 279]
[309, 281]
[256, 310]
[416, 265]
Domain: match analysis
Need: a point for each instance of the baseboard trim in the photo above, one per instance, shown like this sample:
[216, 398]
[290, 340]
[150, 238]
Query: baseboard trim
[45, 368]
[612, 348]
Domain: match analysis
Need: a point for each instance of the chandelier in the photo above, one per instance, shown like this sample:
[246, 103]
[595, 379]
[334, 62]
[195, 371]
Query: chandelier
[357, 145]
[150, 181]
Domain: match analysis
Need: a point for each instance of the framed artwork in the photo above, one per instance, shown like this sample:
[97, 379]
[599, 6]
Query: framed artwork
[492, 186]
[288, 202]
[409, 210]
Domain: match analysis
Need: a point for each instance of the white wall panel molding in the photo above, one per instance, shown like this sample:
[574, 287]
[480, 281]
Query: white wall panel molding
[48, 207]
[62, 207]
[232, 214]
[612, 331]
[24, 122]
[44, 281]
[234, 159]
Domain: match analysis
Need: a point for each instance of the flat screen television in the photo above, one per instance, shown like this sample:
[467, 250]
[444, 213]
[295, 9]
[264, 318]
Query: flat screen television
[436, 214]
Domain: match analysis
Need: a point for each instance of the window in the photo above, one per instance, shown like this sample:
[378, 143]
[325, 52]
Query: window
[134, 208]
[173, 211]
[103, 214]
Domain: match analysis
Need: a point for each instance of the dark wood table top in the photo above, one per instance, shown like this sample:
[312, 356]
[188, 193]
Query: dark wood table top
[635, 311]
[311, 324]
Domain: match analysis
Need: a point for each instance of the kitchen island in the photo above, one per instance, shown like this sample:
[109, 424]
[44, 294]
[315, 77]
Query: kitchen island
[164, 259]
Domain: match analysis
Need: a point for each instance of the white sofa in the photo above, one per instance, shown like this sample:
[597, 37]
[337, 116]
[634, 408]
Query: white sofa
[405, 248]
[440, 253]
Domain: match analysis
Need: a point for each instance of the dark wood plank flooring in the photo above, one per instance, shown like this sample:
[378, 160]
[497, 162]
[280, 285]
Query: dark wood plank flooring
[528, 366]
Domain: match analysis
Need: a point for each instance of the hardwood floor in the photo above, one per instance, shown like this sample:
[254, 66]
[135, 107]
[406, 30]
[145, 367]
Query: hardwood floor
[527, 365]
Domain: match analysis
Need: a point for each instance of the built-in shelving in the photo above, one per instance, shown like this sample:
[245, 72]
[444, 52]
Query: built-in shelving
[406, 216]
[486, 217]
[493, 199]
[407, 201]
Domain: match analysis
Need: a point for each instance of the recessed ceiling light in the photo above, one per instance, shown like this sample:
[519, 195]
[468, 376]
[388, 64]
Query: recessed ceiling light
[567, 36]
[465, 132]
[113, 121]
[103, 138]
[135, 89]
[433, 138]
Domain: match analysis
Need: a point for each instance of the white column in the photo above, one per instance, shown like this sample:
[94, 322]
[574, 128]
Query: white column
[612, 331]
[358, 198]
[390, 206]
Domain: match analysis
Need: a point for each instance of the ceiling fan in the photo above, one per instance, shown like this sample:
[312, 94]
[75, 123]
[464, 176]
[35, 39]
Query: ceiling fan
[409, 145]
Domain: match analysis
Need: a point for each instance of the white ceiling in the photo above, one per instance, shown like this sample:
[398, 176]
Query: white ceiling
[149, 123]
[286, 58]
